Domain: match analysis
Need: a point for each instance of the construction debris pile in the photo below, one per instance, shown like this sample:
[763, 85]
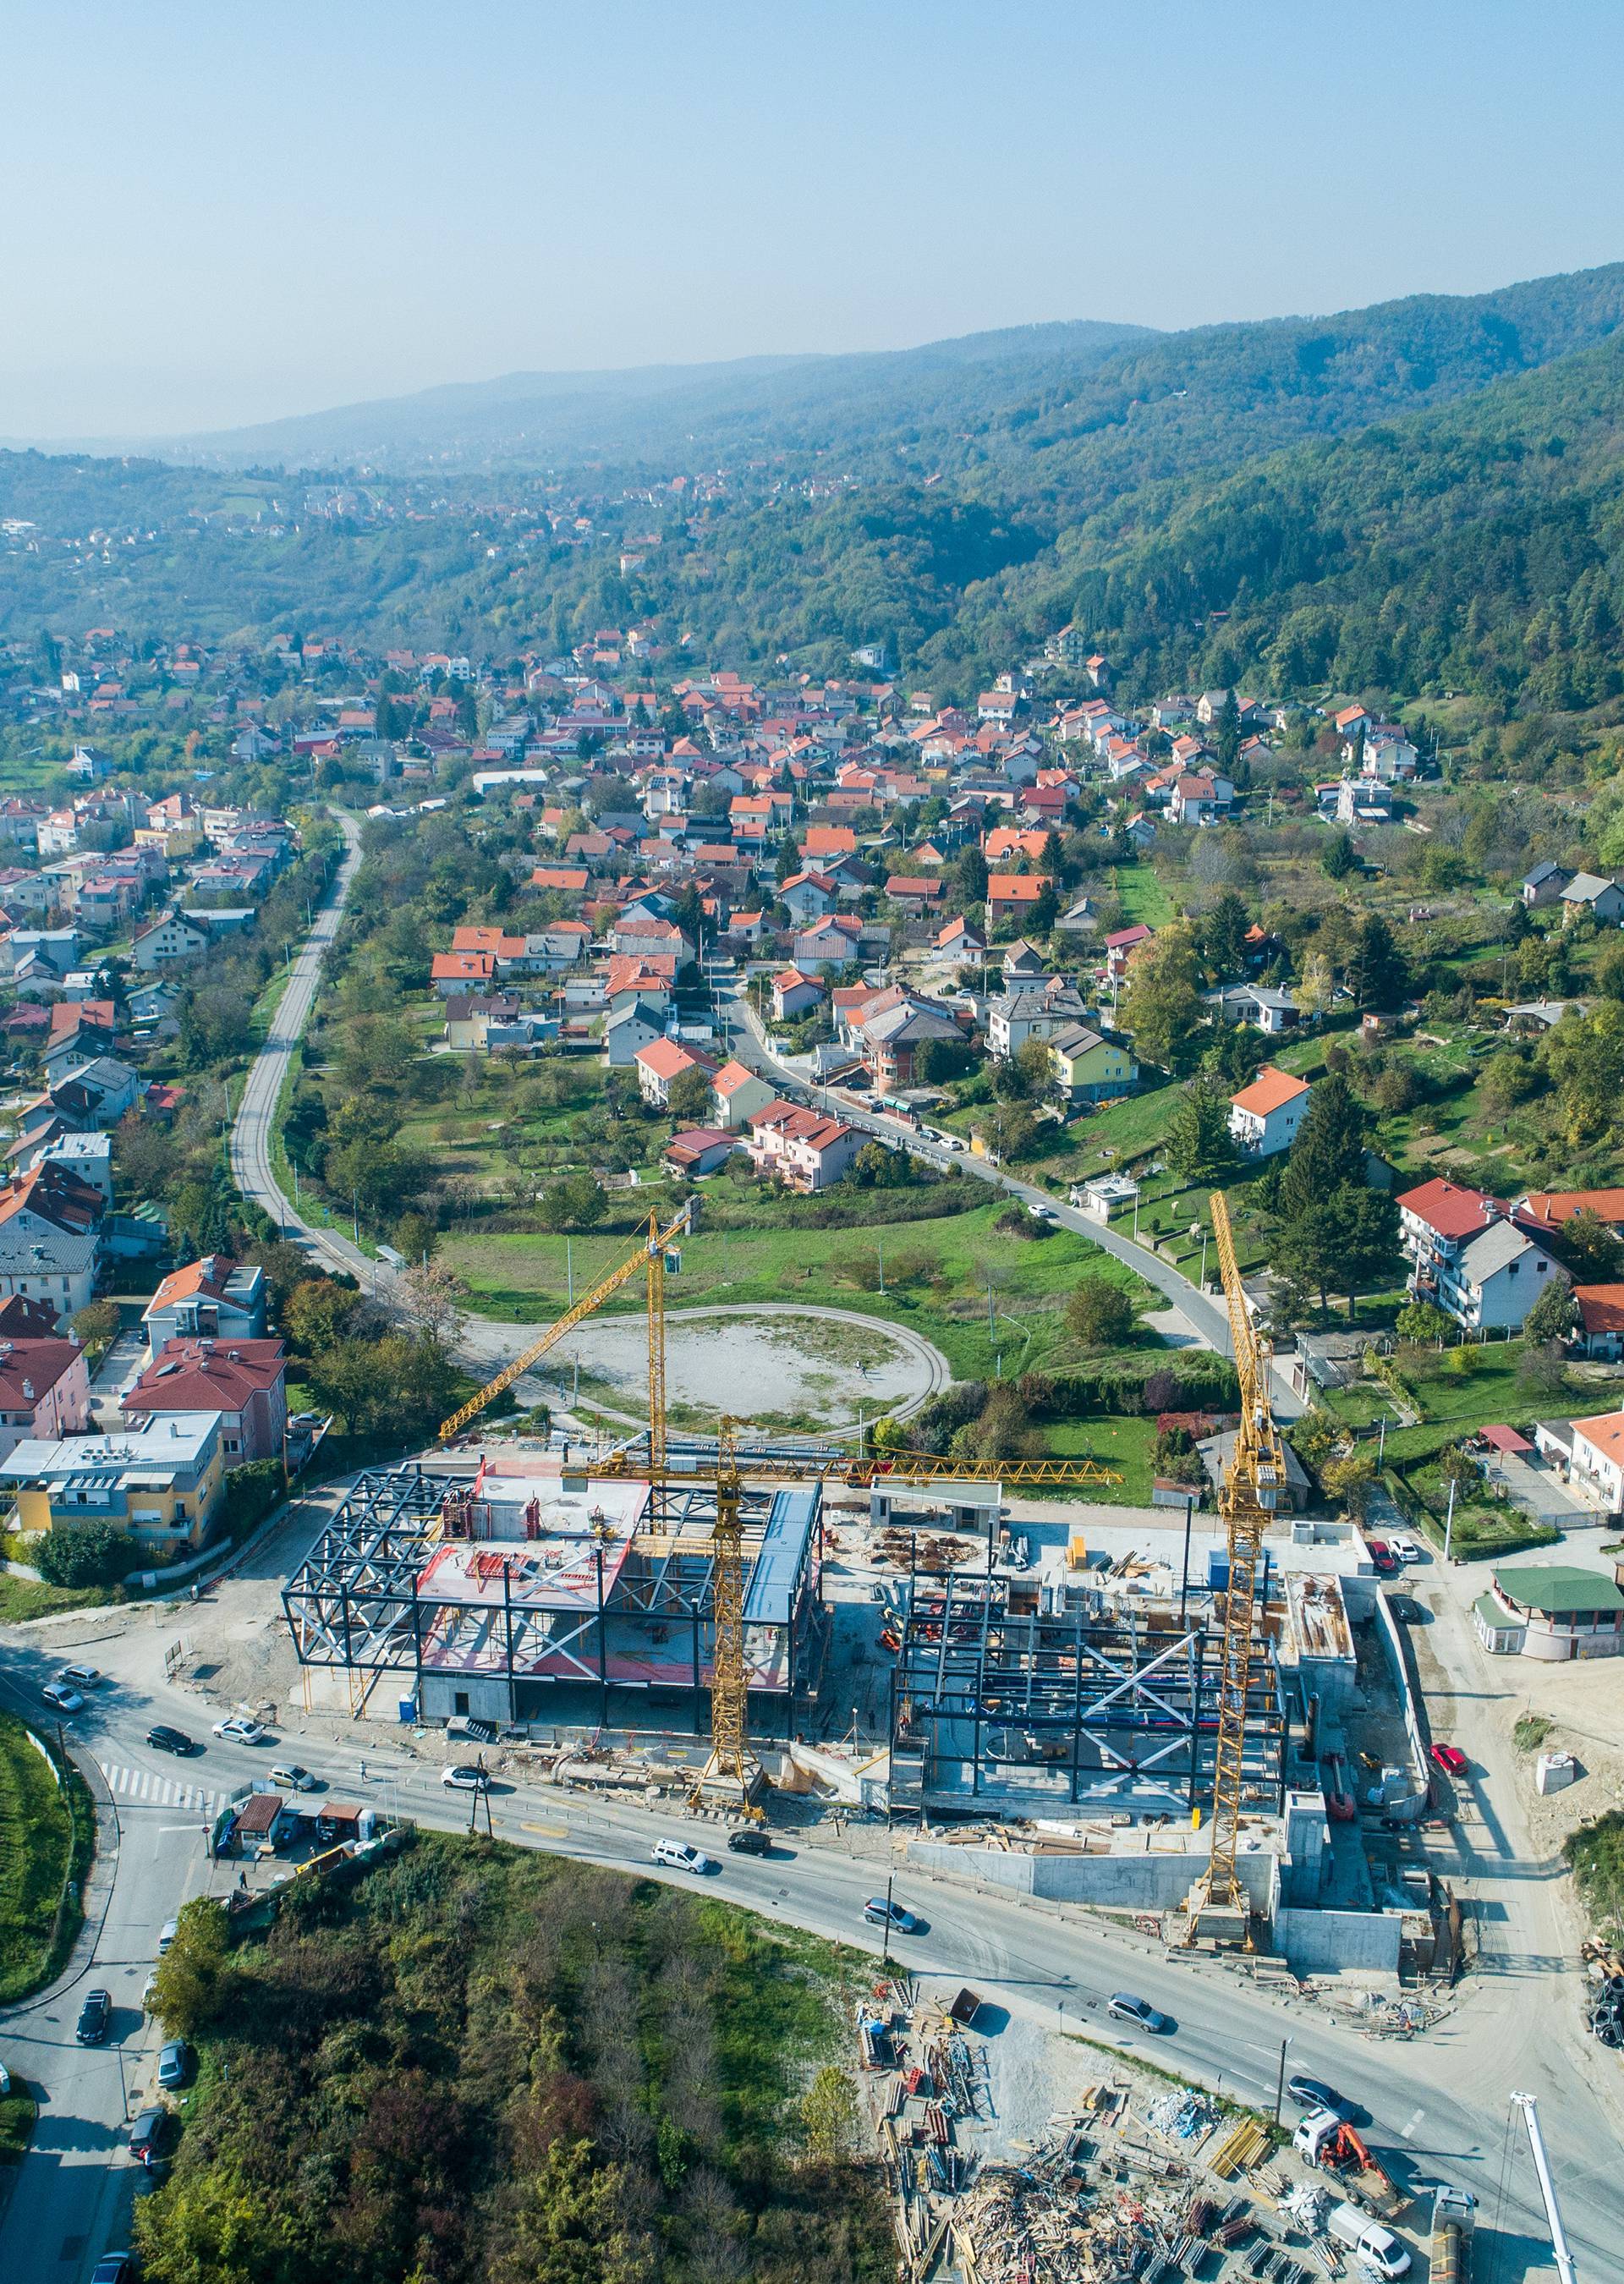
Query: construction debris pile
[913, 1550]
[1604, 1970]
[1123, 2188]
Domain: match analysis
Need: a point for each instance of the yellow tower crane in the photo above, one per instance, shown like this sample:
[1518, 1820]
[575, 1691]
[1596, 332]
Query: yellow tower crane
[650, 1257]
[1252, 1484]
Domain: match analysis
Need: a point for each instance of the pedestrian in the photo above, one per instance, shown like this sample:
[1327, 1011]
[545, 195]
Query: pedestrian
[364, 1771]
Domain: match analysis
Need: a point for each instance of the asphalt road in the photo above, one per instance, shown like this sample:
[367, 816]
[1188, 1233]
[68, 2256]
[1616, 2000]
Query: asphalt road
[1439, 2101]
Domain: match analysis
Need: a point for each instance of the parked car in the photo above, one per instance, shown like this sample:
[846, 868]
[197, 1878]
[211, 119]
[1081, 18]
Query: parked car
[166, 1935]
[1406, 1549]
[877, 1911]
[151, 2135]
[82, 1676]
[149, 1990]
[171, 1740]
[1450, 1759]
[1127, 2009]
[95, 2018]
[114, 2268]
[290, 1774]
[750, 1839]
[465, 1778]
[677, 1855]
[1314, 2093]
[237, 1726]
[174, 2064]
[5, 2080]
[1382, 1554]
[65, 1700]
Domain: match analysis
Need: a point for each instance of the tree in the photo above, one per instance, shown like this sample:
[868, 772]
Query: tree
[1340, 858]
[188, 1990]
[1099, 1313]
[1198, 1141]
[971, 871]
[416, 1236]
[1508, 1079]
[1542, 1376]
[94, 1553]
[1229, 734]
[1162, 1007]
[878, 1167]
[1313, 995]
[1223, 937]
[688, 1097]
[1552, 1316]
[1347, 1481]
[574, 1201]
[430, 1299]
[1329, 1150]
[1587, 1245]
[1375, 972]
[1584, 1056]
[96, 1324]
[1420, 1320]
[318, 1313]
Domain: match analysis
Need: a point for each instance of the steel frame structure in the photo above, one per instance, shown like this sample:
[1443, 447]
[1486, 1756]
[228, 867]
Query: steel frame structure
[1105, 1696]
[357, 1603]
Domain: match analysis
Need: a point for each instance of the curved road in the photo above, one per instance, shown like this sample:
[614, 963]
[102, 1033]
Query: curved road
[1439, 2101]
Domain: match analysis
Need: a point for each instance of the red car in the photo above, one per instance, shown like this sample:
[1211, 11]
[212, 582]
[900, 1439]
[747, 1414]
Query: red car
[1450, 1759]
[1382, 1554]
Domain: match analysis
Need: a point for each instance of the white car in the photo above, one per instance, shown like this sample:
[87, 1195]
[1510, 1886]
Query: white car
[65, 1700]
[677, 1855]
[465, 1778]
[149, 1990]
[1405, 1549]
[237, 1726]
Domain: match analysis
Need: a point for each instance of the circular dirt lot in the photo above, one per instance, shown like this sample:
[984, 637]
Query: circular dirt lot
[776, 1365]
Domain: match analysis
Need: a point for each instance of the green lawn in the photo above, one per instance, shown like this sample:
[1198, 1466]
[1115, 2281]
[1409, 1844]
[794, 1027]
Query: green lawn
[1145, 900]
[1126, 1443]
[937, 1276]
[46, 1833]
[22, 1598]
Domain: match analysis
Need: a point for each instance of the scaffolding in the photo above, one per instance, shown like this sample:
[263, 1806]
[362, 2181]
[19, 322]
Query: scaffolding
[515, 1615]
[1012, 1699]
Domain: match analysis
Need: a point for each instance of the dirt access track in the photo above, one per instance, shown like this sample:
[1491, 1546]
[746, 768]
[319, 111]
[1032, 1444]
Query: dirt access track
[775, 1362]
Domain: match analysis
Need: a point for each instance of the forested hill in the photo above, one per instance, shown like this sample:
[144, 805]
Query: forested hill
[1480, 546]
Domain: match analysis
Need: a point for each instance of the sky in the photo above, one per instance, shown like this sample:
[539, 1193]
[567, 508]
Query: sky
[218, 216]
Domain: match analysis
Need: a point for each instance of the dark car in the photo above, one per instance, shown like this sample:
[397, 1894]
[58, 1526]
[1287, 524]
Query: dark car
[1314, 2093]
[748, 1841]
[95, 2017]
[1127, 2009]
[114, 2268]
[151, 2135]
[171, 1740]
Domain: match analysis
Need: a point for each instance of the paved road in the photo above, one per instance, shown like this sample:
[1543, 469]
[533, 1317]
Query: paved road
[1206, 1313]
[1439, 2101]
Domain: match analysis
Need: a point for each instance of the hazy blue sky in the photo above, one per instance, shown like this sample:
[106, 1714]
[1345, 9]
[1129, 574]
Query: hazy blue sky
[217, 214]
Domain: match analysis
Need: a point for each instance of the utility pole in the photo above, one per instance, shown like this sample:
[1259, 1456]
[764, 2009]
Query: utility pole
[1449, 1521]
[1280, 2081]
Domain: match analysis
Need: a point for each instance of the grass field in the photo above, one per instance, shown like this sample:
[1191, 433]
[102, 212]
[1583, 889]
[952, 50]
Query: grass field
[46, 1834]
[980, 1296]
[22, 1598]
[1128, 1444]
[1145, 900]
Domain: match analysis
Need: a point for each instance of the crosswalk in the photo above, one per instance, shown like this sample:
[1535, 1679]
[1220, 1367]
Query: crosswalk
[147, 1786]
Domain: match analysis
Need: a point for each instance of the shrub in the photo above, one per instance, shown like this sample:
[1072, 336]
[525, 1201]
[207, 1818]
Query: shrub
[1099, 1313]
[86, 1554]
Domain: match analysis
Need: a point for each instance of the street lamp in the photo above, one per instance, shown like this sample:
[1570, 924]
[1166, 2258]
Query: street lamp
[1280, 2082]
[884, 1954]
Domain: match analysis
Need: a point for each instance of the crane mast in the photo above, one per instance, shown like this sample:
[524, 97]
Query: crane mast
[1252, 1481]
[1560, 2254]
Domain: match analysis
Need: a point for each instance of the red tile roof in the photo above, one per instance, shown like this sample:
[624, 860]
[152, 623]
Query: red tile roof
[1450, 1210]
[204, 1375]
[1271, 1090]
[1601, 1307]
[1549, 1209]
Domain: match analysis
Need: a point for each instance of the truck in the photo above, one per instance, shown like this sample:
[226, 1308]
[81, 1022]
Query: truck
[1372, 2246]
[1325, 2140]
[1450, 2252]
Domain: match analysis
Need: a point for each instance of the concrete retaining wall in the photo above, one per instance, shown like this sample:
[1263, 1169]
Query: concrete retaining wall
[1122, 1883]
[1395, 1649]
[1328, 1942]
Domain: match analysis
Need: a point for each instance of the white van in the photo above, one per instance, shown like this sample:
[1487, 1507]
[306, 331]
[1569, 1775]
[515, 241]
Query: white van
[1374, 2246]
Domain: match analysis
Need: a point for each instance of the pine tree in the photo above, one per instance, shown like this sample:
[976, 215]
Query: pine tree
[1329, 1151]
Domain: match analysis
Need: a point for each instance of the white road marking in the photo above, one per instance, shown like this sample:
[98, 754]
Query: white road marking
[1406, 2130]
[157, 1791]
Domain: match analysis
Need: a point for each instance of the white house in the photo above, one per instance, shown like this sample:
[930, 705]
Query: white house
[737, 1095]
[1265, 1116]
[1496, 1279]
[1553, 1611]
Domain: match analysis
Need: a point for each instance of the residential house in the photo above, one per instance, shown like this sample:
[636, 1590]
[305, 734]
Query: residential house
[50, 1239]
[1034, 1011]
[697, 1151]
[1588, 895]
[215, 1298]
[1552, 1610]
[1265, 1116]
[1495, 1279]
[469, 1018]
[736, 1094]
[245, 1382]
[45, 1391]
[960, 941]
[160, 1483]
[1600, 1331]
[1013, 896]
[1542, 1210]
[1120, 946]
[830, 942]
[631, 1028]
[1090, 1068]
[1264, 1008]
[663, 1060]
[173, 940]
[1437, 1220]
[804, 1149]
[460, 974]
[1546, 884]
[915, 892]
[795, 994]
[807, 896]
